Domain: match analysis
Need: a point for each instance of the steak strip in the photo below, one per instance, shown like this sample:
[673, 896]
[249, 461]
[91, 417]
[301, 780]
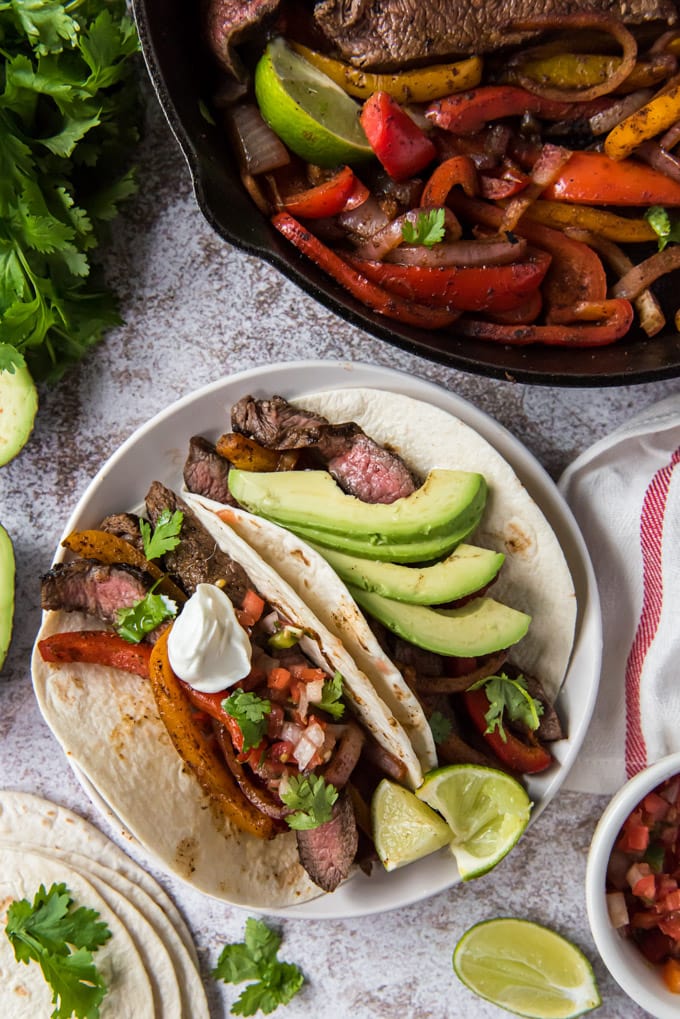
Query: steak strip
[98, 589]
[206, 472]
[327, 852]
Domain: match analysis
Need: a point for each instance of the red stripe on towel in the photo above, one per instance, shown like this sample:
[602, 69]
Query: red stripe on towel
[651, 539]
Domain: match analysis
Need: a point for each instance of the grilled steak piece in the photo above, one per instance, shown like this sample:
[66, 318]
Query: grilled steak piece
[229, 22]
[197, 558]
[126, 526]
[359, 465]
[86, 585]
[327, 852]
[388, 34]
[206, 472]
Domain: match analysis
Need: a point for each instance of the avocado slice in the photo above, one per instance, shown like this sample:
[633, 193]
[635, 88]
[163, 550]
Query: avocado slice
[7, 570]
[18, 407]
[466, 570]
[479, 627]
[445, 501]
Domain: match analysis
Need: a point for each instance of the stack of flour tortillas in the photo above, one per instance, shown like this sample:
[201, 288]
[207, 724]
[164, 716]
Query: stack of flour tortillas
[149, 963]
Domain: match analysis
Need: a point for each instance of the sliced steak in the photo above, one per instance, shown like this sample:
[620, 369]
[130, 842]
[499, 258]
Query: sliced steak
[98, 589]
[327, 852]
[391, 33]
[197, 559]
[229, 22]
[359, 465]
[206, 472]
[126, 526]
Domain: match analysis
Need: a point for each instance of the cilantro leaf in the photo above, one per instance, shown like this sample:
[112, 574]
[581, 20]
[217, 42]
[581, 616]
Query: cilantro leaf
[144, 616]
[311, 798]
[250, 711]
[440, 726]
[511, 697]
[331, 697]
[165, 534]
[428, 228]
[46, 931]
[660, 222]
[276, 983]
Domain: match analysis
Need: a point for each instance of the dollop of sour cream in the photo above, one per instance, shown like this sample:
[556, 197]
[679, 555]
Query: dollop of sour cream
[207, 646]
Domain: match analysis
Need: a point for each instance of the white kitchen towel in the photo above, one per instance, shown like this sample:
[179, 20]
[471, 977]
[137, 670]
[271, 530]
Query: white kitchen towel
[625, 494]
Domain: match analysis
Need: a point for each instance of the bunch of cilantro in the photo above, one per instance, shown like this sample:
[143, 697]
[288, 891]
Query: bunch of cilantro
[69, 118]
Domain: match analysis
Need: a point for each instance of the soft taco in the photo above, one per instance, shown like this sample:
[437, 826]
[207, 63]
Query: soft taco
[380, 447]
[236, 737]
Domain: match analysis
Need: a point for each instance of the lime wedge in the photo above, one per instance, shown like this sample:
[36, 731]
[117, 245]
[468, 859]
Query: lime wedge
[526, 969]
[312, 115]
[404, 829]
[486, 809]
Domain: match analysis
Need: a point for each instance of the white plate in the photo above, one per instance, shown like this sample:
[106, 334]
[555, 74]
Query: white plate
[158, 450]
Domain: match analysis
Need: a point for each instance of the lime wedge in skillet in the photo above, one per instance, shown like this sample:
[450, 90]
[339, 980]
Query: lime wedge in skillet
[527, 969]
[312, 115]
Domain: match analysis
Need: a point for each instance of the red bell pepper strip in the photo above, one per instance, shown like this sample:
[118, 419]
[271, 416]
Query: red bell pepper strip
[211, 703]
[468, 112]
[509, 181]
[616, 320]
[491, 289]
[527, 758]
[326, 199]
[592, 178]
[96, 647]
[456, 170]
[400, 145]
[373, 296]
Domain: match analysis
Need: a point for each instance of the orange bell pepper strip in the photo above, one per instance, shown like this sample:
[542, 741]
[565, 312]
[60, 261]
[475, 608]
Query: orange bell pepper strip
[592, 178]
[400, 145]
[110, 548]
[326, 199]
[368, 293]
[527, 758]
[96, 647]
[198, 750]
[456, 170]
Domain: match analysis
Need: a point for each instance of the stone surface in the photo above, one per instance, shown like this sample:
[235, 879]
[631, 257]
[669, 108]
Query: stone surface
[196, 309]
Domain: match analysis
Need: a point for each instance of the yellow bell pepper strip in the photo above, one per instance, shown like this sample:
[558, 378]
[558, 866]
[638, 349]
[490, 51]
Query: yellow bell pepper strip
[600, 221]
[582, 70]
[616, 318]
[110, 548]
[593, 178]
[652, 119]
[369, 294]
[416, 86]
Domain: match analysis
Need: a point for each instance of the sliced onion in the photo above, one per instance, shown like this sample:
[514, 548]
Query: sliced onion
[483, 252]
[643, 275]
[270, 622]
[617, 909]
[671, 138]
[663, 161]
[312, 740]
[605, 120]
[365, 220]
[636, 872]
[291, 732]
[544, 172]
[303, 702]
[315, 691]
[391, 236]
[260, 149]
[587, 21]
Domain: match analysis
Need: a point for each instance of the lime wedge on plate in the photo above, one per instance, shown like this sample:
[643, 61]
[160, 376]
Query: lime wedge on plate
[312, 115]
[404, 829]
[486, 809]
[526, 969]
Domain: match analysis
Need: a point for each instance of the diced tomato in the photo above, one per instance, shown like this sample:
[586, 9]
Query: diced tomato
[400, 145]
[670, 925]
[306, 674]
[251, 610]
[671, 975]
[655, 807]
[645, 888]
[671, 901]
[278, 678]
[634, 838]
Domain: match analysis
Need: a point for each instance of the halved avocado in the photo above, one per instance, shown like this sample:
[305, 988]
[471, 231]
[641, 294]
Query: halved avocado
[479, 627]
[18, 406]
[446, 500]
[7, 570]
[466, 570]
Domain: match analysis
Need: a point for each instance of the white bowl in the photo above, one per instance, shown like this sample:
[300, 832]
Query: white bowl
[640, 979]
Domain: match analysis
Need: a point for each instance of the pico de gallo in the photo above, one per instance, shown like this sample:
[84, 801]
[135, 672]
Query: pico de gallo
[643, 880]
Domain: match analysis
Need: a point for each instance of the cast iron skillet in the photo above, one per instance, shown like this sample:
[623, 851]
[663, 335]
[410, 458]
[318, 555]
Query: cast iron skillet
[183, 74]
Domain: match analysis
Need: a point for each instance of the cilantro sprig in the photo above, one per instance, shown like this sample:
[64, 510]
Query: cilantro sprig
[165, 534]
[251, 713]
[440, 726]
[510, 698]
[274, 983]
[69, 115]
[61, 939]
[310, 798]
[331, 697]
[428, 228]
[133, 623]
[666, 230]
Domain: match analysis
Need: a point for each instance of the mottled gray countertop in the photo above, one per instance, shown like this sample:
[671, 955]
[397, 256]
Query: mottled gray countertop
[196, 309]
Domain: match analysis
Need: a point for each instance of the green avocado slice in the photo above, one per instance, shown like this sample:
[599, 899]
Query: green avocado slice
[466, 570]
[446, 500]
[18, 406]
[479, 627]
[7, 569]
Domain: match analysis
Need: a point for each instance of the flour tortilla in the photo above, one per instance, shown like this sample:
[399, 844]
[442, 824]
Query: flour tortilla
[535, 577]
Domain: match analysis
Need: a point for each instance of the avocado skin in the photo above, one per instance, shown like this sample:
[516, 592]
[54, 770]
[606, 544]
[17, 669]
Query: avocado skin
[446, 500]
[477, 628]
[18, 407]
[7, 570]
[466, 570]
